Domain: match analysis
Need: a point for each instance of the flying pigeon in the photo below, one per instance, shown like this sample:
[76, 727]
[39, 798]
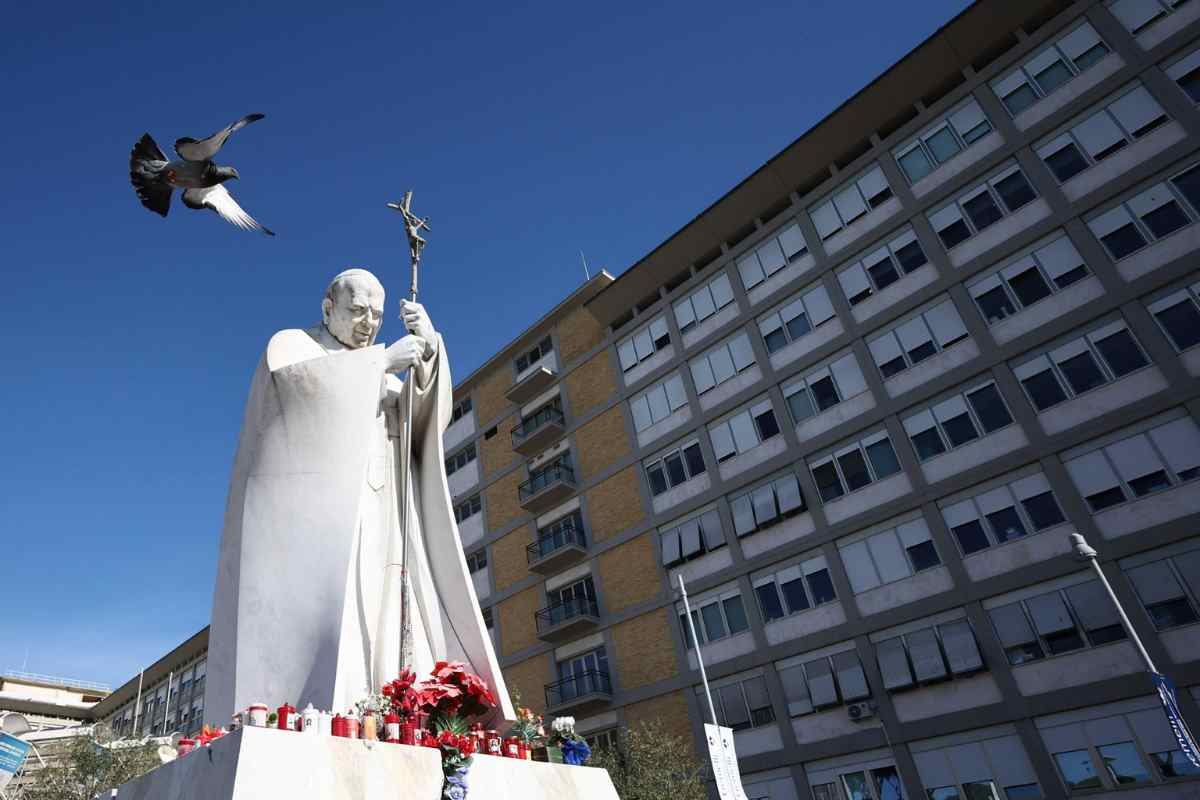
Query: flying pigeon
[154, 176]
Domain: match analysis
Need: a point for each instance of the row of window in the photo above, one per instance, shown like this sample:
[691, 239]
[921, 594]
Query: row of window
[458, 460]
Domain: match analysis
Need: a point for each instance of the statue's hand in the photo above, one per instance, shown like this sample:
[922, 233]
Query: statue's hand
[405, 353]
[416, 319]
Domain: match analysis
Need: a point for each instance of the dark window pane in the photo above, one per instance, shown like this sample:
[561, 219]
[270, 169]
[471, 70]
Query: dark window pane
[1090, 56]
[1153, 482]
[995, 304]
[1115, 147]
[943, 145]
[911, 256]
[921, 352]
[829, 485]
[768, 602]
[960, 430]
[1173, 763]
[794, 596]
[916, 164]
[971, 537]
[798, 326]
[694, 459]
[1029, 286]
[825, 393]
[1123, 763]
[1053, 76]
[1044, 389]
[675, 472]
[977, 133]
[801, 405]
[883, 273]
[1066, 163]
[928, 444]
[1106, 634]
[896, 365]
[989, 407]
[714, 624]
[821, 587]
[1006, 524]
[1043, 510]
[923, 556]
[1188, 185]
[863, 295]
[1020, 99]
[982, 210]
[883, 458]
[735, 614]
[1063, 641]
[1024, 653]
[1122, 353]
[854, 467]
[1015, 191]
[1077, 770]
[1165, 220]
[954, 234]
[880, 197]
[1123, 241]
[658, 479]
[1071, 276]
[767, 425]
[775, 340]
[1109, 497]
[1082, 372]
[1182, 323]
[1190, 83]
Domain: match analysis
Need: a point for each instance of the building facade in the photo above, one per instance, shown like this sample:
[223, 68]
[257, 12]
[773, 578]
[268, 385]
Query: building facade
[859, 404]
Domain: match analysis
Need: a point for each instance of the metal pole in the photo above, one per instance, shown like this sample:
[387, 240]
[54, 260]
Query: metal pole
[1085, 552]
[687, 610]
[137, 703]
[167, 705]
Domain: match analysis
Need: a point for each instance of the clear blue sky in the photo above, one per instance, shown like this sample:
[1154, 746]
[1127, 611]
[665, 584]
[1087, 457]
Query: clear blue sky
[530, 132]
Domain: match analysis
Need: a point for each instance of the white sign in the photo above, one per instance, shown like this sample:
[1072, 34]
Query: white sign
[724, 762]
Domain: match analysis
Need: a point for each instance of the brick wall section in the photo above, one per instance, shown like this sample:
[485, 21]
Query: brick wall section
[516, 620]
[578, 332]
[489, 396]
[669, 709]
[601, 442]
[615, 504]
[529, 677]
[591, 384]
[503, 505]
[497, 451]
[643, 650]
[629, 573]
[509, 562]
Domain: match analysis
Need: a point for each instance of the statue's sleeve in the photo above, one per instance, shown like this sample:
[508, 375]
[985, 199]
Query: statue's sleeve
[433, 400]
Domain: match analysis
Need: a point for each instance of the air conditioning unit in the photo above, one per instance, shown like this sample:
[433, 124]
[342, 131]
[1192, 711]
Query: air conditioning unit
[857, 712]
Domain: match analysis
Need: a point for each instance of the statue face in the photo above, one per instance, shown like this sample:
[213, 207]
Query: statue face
[356, 311]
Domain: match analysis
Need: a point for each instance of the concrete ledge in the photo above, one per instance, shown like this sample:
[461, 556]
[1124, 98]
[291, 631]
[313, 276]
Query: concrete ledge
[255, 763]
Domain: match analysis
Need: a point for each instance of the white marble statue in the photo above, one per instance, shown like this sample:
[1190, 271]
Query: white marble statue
[312, 521]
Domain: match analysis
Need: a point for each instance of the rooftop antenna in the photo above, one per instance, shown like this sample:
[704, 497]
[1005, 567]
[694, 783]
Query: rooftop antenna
[586, 274]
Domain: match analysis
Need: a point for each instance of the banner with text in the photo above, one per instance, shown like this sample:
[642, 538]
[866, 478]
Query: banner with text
[724, 762]
[13, 752]
[1170, 703]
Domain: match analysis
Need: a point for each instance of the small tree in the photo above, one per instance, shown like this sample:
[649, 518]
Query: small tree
[84, 767]
[648, 763]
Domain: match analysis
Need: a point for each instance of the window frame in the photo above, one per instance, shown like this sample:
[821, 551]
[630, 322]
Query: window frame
[978, 188]
[909, 236]
[1045, 650]
[688, 301]
[654, 336]
[987, 525]
[672, 405]
[892, 332]
[709, 601]
[785, 240]
[460, 458]
[1003, 275]
[855, 183]
[772, 321]
[473, 505]
[1190, 293]
[944, 122]
[800, 570]
[1125, 207]
[533, 355]
[939, 425]
[726, 346]
[661, 459]
[835, 455]
[709, 541]
[1024, 69]
[897, 538]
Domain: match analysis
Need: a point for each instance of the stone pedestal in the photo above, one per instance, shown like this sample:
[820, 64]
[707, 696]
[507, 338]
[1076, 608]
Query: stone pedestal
[256, 763]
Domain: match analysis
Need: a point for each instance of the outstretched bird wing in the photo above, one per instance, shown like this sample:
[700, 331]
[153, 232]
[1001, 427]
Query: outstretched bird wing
[204, 149]
[222, 202]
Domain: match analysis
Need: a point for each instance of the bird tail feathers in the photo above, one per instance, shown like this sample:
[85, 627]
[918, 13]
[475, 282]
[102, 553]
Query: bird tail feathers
[146, 163]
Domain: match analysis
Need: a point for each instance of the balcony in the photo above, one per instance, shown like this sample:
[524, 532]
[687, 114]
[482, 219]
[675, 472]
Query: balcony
[568, 618]
[547, 488]
[534, 434]
[555, 551]
[584, 692]
[534, 380]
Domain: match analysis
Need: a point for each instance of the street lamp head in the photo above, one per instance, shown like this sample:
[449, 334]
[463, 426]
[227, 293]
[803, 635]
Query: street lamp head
[1083, 550]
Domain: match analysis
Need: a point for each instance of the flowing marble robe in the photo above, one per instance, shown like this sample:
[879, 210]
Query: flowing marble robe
[312, 523]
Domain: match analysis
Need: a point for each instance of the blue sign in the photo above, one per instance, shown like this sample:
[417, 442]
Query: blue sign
[1166, 693]
[13, 752]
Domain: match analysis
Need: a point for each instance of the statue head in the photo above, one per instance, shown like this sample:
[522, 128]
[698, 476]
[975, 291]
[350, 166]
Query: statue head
[353, 308]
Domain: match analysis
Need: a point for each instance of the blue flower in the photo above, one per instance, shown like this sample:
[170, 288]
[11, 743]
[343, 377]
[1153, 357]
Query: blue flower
[575, 753]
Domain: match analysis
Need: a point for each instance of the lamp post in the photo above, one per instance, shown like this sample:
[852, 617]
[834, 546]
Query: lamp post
[1165, 686]
[1085, 552]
